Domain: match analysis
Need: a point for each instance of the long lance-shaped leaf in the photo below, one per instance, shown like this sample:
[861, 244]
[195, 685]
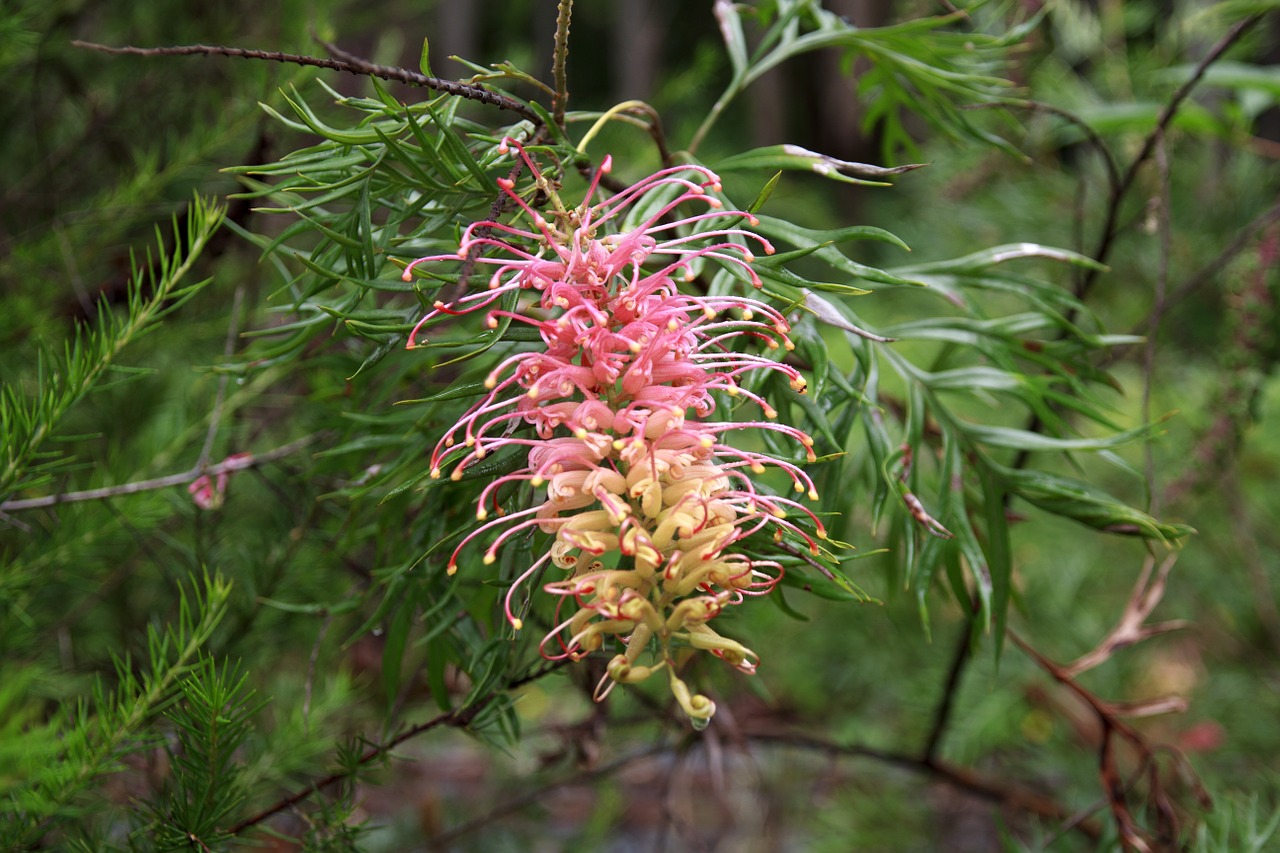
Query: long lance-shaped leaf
[802, 159]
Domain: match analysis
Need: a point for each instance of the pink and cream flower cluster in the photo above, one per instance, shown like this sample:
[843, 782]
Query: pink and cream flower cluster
[622, 411]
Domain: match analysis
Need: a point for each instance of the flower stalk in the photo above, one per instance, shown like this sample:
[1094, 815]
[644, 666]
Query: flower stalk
[618, 412]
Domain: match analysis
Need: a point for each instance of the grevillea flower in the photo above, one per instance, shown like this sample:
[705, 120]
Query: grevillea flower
[641, 490]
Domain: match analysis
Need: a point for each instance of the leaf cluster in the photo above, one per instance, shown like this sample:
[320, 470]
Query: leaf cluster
[952, 400]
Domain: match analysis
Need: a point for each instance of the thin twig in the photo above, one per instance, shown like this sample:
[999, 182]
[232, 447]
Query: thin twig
[1132, 626]
[942, 715]
[989, 789]
[509, 807]
[1132, 836]
[336, 52]
[359, 67]
[238, 463]
[457, 718]
[560, 101]
[215, 417]
[500, 204]
[1108, 159]
[1210, 271]
[311, 671]
[14, 522]
[659, 136]
[959, 778]
[1158, 307]
[1109, 229]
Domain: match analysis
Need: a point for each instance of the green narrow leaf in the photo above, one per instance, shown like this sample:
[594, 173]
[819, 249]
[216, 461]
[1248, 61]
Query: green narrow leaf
[435, 665]
[154, 291]
[986, 258]
[424, 59]
[1088, 505]
[1021, 439]
[780, 600]
[765, 191]
[999, 559]
[802, 159]
[735, 41]
[453, 392]
[393, 650]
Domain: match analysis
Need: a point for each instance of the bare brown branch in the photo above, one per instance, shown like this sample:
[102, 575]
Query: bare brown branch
[1167, 823]
[239, 462]
[350, 65]
[1132, 627]
[997, 791]
[1110, 229]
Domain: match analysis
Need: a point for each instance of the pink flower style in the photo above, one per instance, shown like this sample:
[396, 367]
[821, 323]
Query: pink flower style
[645, 497]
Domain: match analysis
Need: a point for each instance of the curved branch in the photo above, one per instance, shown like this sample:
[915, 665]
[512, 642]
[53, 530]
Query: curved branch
[1110, 229]
[1133, 836]
[509, 807]
[957, 777]
[349, 64]
[959, 662]
[1108, 159]
[457, 718]
[239, 462]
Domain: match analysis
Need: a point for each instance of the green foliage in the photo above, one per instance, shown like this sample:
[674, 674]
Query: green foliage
[1239, 825]
[981, 450]
[30, 415]
[919, 68]
[96, 733]
[211, 719]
